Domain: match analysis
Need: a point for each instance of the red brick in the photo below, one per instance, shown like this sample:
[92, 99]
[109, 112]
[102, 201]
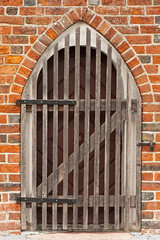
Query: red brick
[151, 187]
[13, 98]
[96, 21]
[10, 226]
[33, 39]
[151, 69]
[40, 31]
[150, 29]
[12, 20]
[158, 137]
[151, 108]
[142, 20]
[3, 217]
[147, 176]
[147, 215]
[13, 59]
[107, 10]
[29, 64]
[157, 119]
[110, 33]
[4, 50]
[103, 27]
[154, 10]
[157, 156]
[14, 216]
[145, 88]
[114, 2]
[73, 16]
[88, 16]
[8, 69]
[147, 157]
[74, 3]
[139, 49]
[117, 40]
[20, 80]
[24, 71]
[2, 158]
[5, 197]
[147, 98]
[142, 79]
[51, 33]
[14, 177]
[15, 39]
[34, 55]
[117, 20]
[9, 109]
[138, 2]
[49, 2]
[133, 63]
[3, 178]
[65, 22]
[5, 30]
[139, 39]
[39, 47]
[1, 11]
[13, 158]
[24, 30]
[9, 79]
[9, 128]
[38, 20]
[10, 168]
[3, 119]
[56, 10]
[45, 40]
[14, 138]
[156, 59]
[137, 71]
[31, 11]
[128, 29]
[132, 11]
[4, 89]
[11, 3]
[58, 27]
[147, 117]
[154, 78]
[156, 88]
[128, 55]
[153, 49]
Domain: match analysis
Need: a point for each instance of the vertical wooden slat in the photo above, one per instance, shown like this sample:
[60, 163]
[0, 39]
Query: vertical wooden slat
[76, 128]
[107, 137]
[138, 167]
[86, 130]
[44, 148]
[97, 131]
[65, 132]
[34, 151]
[117, 148]
[23, 165]
[128, 153]
[55, 138]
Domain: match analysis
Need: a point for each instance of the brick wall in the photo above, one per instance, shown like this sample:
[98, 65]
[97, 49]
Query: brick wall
[27, 27]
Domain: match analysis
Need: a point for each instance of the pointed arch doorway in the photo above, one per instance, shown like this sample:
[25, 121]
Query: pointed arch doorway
[80, 125]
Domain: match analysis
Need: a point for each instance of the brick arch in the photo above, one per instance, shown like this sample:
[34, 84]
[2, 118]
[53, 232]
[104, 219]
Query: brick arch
[101, 25]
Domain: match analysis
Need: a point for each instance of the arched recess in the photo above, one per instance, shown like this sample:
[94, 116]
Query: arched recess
[80, 125]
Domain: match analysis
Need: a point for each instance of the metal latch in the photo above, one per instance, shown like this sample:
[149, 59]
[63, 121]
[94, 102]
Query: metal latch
[147, 144]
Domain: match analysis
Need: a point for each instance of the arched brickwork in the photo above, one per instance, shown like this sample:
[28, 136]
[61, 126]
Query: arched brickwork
[74, 15]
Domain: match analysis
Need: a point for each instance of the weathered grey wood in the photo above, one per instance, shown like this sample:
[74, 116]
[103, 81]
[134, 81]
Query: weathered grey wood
[138, 168]
[55, 138]
[76, 128]
[23, 165]
[128, 155]
[65, 133]
[34, 152]
[97, 131]
[44, 148]
[71, 158]
[92, 105]
[86, 130]
[117, 146]
[107, 138]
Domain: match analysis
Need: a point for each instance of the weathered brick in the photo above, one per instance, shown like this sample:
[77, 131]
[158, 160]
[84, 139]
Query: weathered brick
[132, 11]
[150, 166]
[11, 3]
[137, 2]
[145, 58]
[14, 216]
[150, 224]
[10, 225]
[117, 20]
[39, 47]
[107, 10]
[147, 196]
[128, 29]
[11, 10]
[75, 3]
[152, 49]
[12, 20]
[29, 2]
[31, 11]
[38, 20]
[151, 69]
[45, 40]
[96, 21]
[3, 138]
[150, 29]
[147, 137]
[16, 49]
[13, 196]
[114, 2]
[14, 178]
[139, 39]
[14, 138]
[49, 2]
[8, 69]
[94, 2]
[13, 158]
[15, 39]
[24, 30]
[2, 158]
[56, 10]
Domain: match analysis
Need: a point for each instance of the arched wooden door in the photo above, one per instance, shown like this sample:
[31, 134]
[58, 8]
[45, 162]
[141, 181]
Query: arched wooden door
[80, 125]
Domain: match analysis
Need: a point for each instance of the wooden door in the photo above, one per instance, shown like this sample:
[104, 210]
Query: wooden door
[81, 141]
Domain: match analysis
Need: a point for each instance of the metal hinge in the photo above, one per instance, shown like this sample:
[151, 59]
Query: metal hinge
[46, 200]
[47, 102]
[147, 144]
